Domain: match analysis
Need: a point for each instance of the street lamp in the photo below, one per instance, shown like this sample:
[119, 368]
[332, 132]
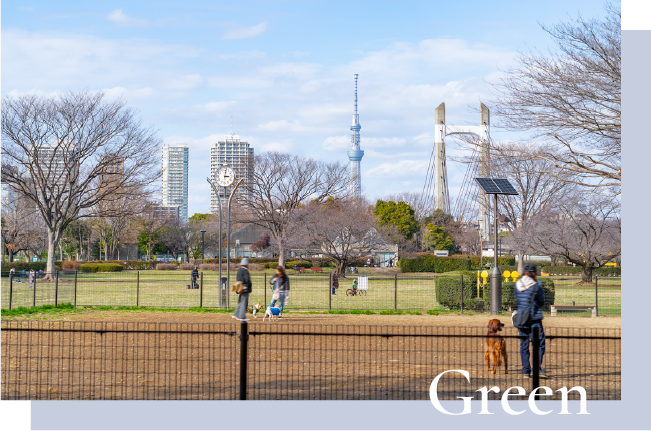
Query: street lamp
[4, 237]
[203, 231]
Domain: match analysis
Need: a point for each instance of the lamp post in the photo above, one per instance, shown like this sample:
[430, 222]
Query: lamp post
[203, 231]
[496, 186]
[4, 235]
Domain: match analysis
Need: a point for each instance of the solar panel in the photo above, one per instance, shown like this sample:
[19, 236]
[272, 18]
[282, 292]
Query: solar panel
[496, 186]
[505, 186]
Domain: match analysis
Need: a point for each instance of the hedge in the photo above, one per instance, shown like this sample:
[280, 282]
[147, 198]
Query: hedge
[577, 271]
[447, 293]
[28, 266]
[100, 268]
[432, 263]
[501, 260]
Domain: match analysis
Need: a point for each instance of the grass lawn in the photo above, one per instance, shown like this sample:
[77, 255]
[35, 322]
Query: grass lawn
[309, 291]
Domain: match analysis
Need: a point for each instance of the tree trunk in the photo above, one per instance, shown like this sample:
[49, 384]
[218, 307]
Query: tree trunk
[520, 262]
[281, 254]
[51, 252]
[340, 268]
[586, 277]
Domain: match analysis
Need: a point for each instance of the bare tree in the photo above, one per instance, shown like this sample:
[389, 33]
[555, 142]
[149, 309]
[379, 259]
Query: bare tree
[56, 150]
[571, 99]
[584, 229]
[282, 183]
[340, 229]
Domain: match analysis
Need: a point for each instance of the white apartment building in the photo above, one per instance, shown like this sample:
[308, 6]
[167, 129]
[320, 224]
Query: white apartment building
[175, 178]
[236, 154]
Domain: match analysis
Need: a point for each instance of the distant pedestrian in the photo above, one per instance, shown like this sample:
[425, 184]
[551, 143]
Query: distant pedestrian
[194, 275]
[243, 300]
[335, 283]
[32, 278]
[529, 295]
[391, 263]
[280, 282]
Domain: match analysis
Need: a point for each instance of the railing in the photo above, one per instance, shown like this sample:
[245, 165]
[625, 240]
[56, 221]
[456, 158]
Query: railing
[103, 360]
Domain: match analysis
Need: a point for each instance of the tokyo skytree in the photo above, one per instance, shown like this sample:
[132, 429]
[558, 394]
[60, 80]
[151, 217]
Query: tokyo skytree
[355, 154]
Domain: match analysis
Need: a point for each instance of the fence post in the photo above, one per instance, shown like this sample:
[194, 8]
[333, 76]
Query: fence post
[244, 337]
[201, 290]
[75, 288]
[461, 294]
[264, 285]
[34, 302]
[11, 288]
[330, 291]
[138, 288]
[596, 296]
[395, 292]
[535, 358]
[56, 289]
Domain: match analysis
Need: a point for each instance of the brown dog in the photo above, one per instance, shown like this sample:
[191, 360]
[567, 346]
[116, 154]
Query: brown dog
[495, 347]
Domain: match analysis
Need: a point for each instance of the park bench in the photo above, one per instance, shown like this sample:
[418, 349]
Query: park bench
[556, 308]
[300, 270]
[316, 269]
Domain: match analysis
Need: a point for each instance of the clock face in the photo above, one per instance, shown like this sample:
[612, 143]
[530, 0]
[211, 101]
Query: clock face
[225, 176]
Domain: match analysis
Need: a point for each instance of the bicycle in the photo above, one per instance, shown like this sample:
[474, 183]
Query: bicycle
[354, 292]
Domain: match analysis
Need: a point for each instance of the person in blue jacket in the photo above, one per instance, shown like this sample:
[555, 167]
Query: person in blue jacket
[529, 294]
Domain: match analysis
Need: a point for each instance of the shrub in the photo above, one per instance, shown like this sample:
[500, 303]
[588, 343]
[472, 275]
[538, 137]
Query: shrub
[100, 268]
[209, 267]
[474, 260]
[270, 264]
[290, 265]
[256, 267]
[432, 263]
[169, 266]
[185, 266]
[70, 265]
[28, 266]
[508, 295]
[577, 271]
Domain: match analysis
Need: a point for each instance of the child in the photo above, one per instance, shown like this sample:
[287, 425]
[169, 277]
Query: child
[355, 285]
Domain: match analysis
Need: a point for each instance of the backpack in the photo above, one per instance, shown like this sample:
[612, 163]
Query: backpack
[523, 318]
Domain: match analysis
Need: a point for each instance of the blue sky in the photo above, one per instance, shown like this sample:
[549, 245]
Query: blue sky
[283, 70]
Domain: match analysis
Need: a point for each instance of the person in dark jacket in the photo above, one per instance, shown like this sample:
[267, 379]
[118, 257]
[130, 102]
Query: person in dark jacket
[335, 283]
[194, 275]
[243, 300]
[280, 282]
[529, 294]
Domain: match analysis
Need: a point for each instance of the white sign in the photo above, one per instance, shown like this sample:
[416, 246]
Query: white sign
[363, 282]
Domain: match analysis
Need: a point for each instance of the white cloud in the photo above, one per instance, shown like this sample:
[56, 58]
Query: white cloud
[123, 20]
[186, 82]
[237, 32]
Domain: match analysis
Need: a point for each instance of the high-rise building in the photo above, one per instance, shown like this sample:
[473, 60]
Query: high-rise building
[355, 154]
[175, 178]
[56, 160]
[236, 154]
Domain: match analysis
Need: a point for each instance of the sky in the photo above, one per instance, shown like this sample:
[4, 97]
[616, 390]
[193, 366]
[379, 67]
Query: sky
[284, 71]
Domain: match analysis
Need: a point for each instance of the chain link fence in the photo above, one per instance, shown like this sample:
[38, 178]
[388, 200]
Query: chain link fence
[309, 291]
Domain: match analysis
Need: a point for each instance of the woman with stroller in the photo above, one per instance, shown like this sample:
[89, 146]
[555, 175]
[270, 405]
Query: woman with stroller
[280, 283]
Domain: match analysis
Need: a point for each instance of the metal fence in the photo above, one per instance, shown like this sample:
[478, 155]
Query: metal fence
[309, 291]
[263, 361]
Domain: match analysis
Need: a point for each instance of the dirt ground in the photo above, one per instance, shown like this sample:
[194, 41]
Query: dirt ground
[334, 319]
[184, 355]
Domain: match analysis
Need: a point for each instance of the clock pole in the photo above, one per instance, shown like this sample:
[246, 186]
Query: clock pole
[228, 237]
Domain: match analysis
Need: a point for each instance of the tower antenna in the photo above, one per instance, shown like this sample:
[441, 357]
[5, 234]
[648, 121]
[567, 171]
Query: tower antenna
[355, 154]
